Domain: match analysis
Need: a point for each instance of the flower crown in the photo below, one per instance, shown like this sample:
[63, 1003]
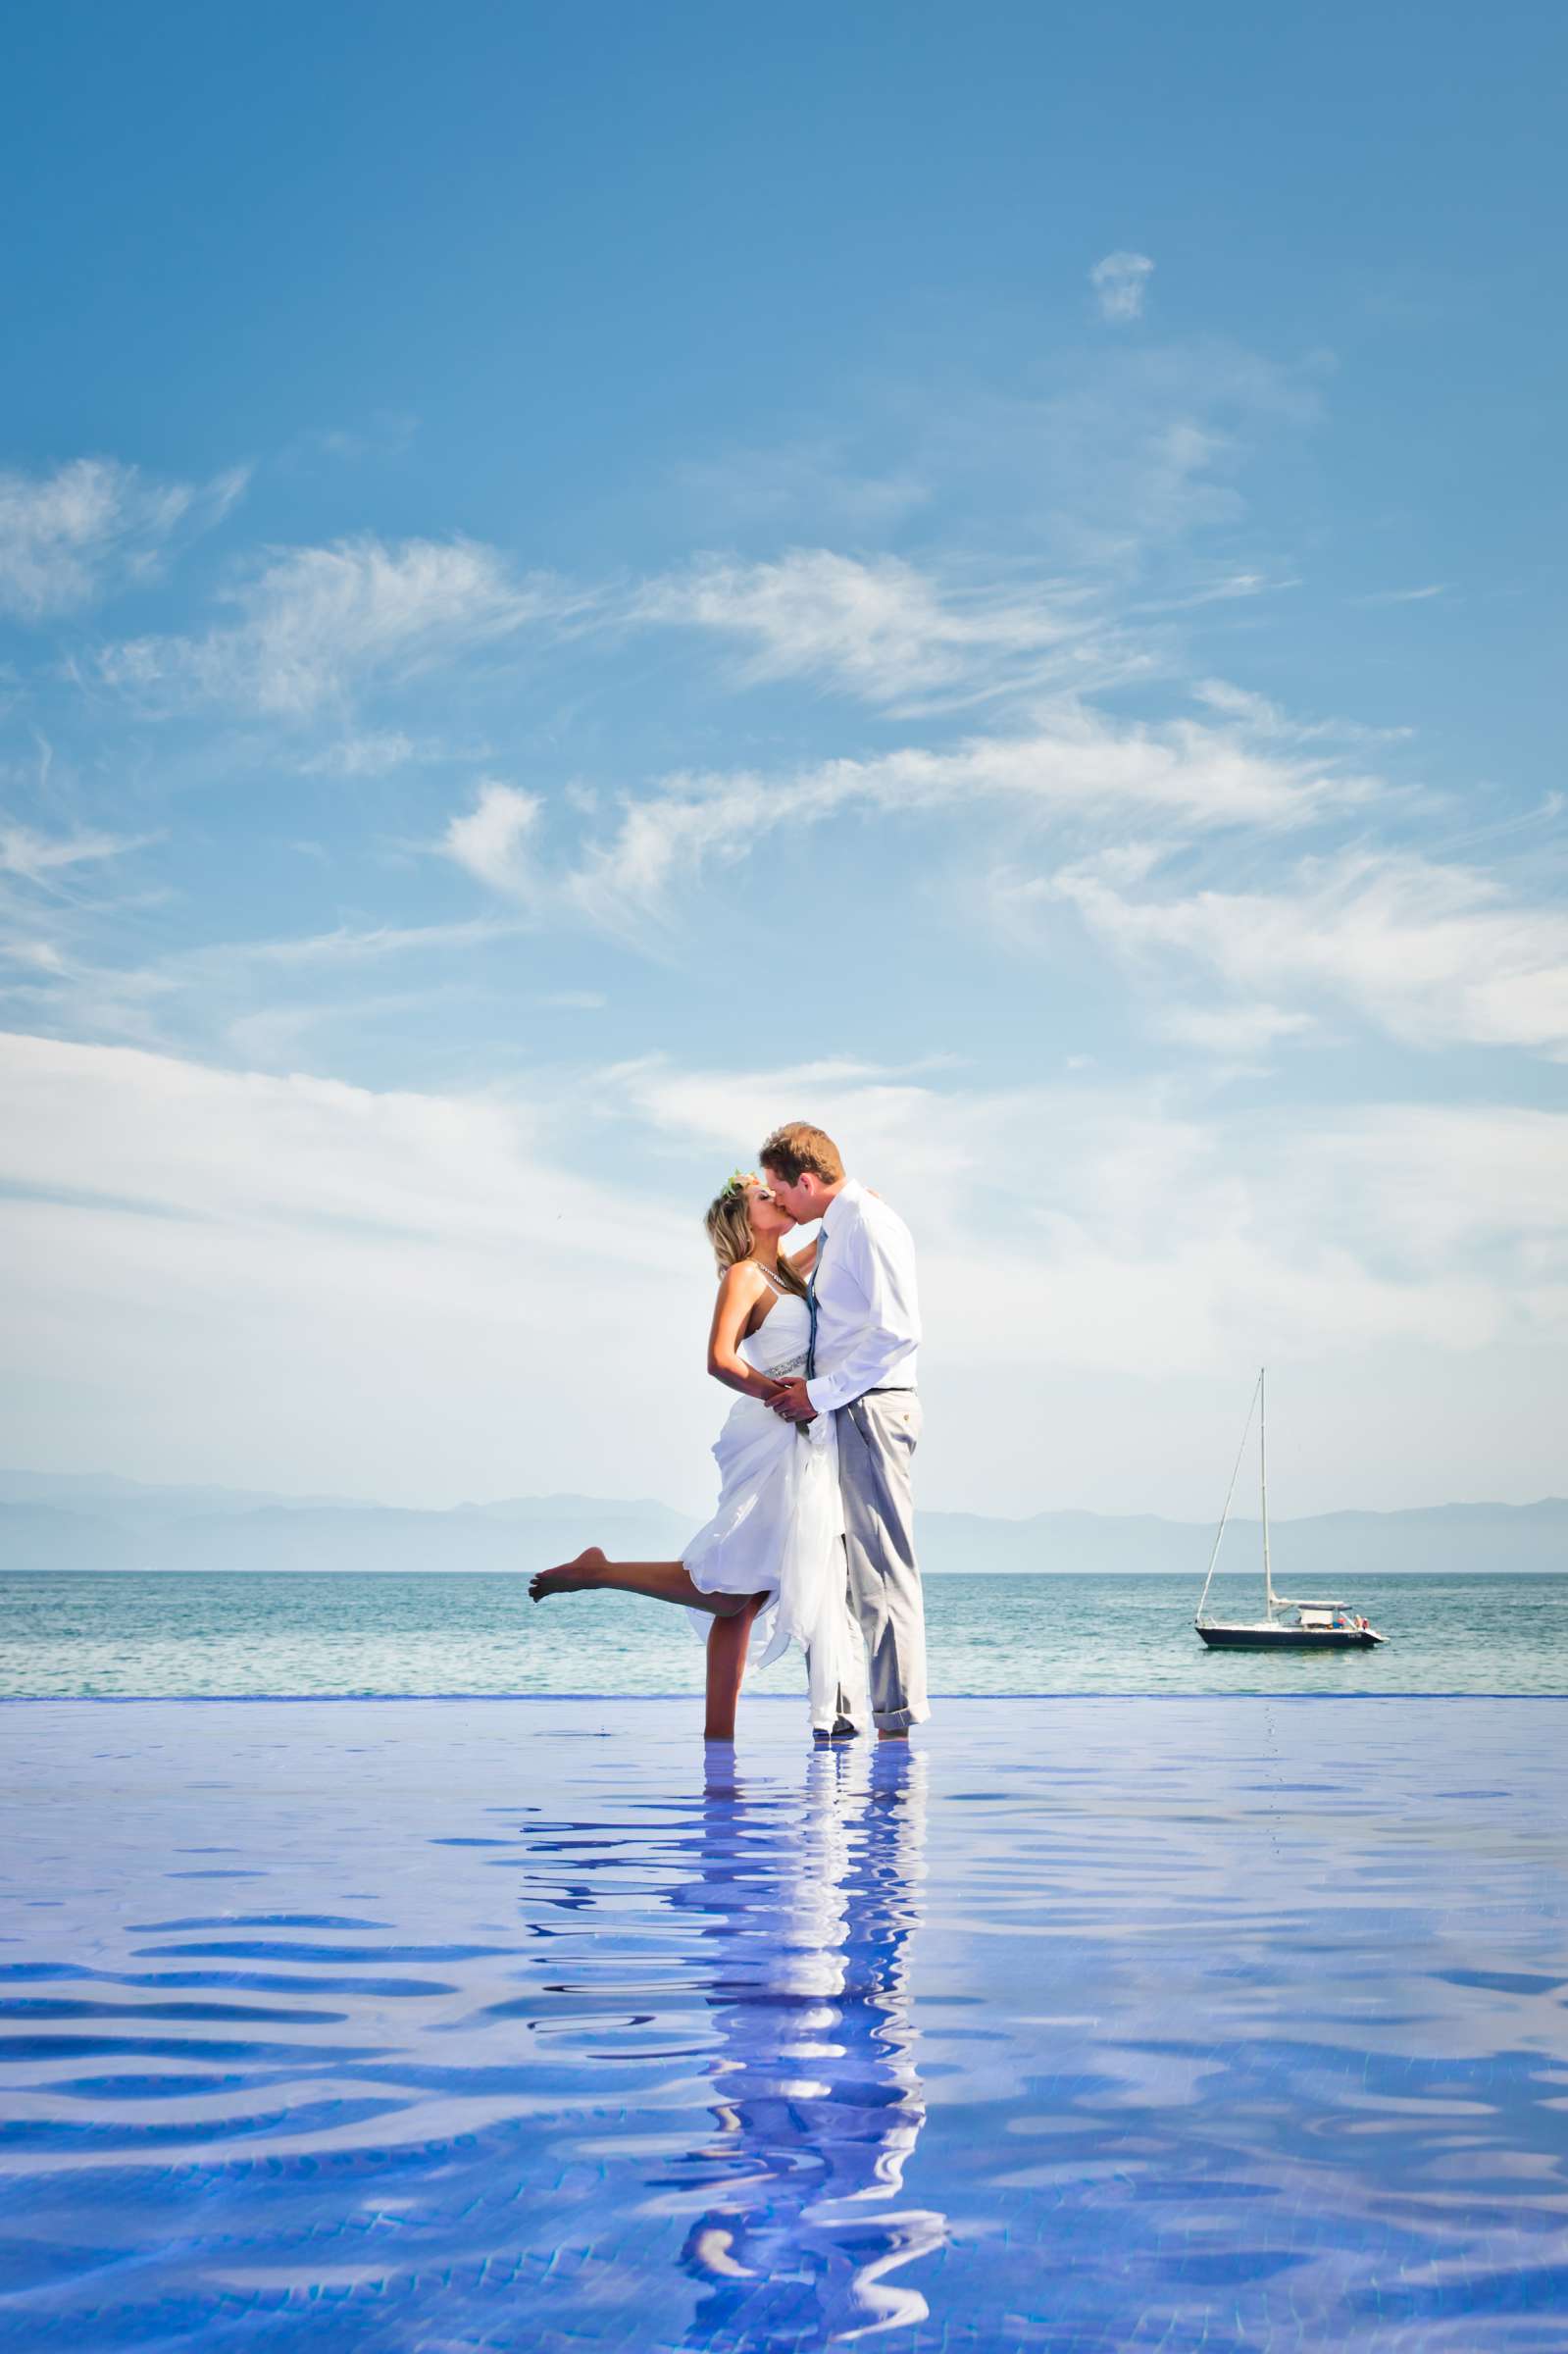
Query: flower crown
[736, 1182]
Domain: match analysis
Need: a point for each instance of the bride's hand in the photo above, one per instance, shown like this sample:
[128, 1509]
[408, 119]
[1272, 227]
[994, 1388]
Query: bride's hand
[793, 1399]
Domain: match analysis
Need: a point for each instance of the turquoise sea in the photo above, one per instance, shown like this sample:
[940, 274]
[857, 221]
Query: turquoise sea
[183, 1635]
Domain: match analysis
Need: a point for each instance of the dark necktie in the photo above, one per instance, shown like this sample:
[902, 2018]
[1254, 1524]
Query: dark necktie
[811, 1303]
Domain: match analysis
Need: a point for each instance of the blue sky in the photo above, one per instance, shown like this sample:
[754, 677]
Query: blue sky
[575, 582]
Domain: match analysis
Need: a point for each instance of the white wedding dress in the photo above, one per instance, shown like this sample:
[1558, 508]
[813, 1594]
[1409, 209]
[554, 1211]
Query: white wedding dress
[779, 1529]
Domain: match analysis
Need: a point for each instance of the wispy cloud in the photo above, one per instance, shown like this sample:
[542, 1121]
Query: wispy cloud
[888, 633]
[1121, 284]
[369, 944]
[93, 526]
[1185, 776]
[493, 841]
[386, 435]
[58, 987]
[1257, 716]
[374, 753]
[1402, 597]
[798, 485]
[369, 1257]
[1431, 954]
[316, 623]
[1082, 1228]
[1230, 1032]
[36, 857]
[1144, 1236]
[267, 1157]
[1082, 766]
[1133, 452]
[283, 1037]
[1224, 590]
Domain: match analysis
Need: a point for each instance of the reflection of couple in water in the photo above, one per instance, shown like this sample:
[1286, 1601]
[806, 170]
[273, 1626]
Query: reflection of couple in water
[805, 1918]
[813, 1540]
[799, 1913]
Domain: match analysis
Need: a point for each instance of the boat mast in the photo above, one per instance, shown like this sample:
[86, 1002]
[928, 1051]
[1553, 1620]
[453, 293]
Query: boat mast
[1225, 1515]
[1263, 1482]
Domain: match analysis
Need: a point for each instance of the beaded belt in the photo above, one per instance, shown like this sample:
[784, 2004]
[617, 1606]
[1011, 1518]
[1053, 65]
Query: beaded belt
[791, 1364]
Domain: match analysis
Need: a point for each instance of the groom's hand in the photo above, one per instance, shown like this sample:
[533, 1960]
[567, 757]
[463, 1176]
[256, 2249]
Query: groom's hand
[790, 1399]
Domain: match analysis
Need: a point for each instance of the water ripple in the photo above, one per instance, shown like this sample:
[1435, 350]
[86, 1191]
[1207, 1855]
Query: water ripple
[1094, 2025]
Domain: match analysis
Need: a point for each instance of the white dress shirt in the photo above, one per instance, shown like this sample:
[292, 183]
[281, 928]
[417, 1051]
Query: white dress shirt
[868, 1309]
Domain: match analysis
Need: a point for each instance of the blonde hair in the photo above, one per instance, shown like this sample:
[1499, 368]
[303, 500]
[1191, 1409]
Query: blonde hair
[798, 1147]
[728, 1229]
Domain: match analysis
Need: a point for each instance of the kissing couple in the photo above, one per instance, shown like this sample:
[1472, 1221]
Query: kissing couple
[813, 1541]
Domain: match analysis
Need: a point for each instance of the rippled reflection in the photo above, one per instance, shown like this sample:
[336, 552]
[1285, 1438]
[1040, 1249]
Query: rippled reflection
[806, 1922]
[412, 2029]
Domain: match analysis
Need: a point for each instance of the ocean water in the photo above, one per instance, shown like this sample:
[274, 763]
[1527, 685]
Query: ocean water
[168, 1636]
[433, 2026]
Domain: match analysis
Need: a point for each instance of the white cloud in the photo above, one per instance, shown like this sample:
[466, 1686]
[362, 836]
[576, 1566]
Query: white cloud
[1432, 954]
[1229, 1031]
[413, 1294]
[71, 538]
[381, 751]
[370, 945]
[85, 998]
[493, 841]
[1136, 453]
[1403, 596]
[228, 991]
[34, 858]
[799, 483]
[666, 843]
[1121, 283]
[395, 1279]
[1107, 1229]
[374, 753]
[1254, 714]
[886, 631]
[318, 621]
[277, 1037]
[1082, 766]
[388, 434]
[1238, 703]
[42, 954]
[1223, 588]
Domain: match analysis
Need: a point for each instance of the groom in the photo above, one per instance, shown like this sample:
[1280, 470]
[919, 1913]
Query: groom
[865, 1329]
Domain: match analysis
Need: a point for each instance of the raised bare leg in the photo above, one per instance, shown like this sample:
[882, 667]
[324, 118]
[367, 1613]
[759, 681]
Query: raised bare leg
[660, 1581]
[729, 1640]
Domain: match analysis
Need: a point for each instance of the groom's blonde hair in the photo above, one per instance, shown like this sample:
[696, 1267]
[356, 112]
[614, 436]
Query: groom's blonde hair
[798, 1147]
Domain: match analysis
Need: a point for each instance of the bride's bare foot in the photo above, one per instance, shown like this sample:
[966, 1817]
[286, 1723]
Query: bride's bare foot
[571, 1577]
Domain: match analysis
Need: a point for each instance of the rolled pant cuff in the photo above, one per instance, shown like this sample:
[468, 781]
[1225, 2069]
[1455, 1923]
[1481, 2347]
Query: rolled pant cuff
[899, 1721]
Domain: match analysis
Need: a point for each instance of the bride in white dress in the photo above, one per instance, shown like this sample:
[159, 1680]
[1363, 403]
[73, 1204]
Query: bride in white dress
[771, 1561]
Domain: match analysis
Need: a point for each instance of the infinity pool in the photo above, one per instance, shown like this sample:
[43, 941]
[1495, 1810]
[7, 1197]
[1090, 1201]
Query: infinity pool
[1089, 2023]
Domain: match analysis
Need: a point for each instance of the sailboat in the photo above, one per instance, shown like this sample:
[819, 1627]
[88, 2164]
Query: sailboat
[1317, 1626]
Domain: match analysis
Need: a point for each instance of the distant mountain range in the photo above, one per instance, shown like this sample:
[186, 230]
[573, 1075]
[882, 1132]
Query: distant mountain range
[81, 1521]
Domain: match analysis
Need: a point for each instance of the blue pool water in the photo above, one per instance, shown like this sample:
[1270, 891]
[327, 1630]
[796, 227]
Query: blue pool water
[1084, 2023]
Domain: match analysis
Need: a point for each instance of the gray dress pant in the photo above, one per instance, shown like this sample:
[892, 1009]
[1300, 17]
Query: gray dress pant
[877, 1439]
